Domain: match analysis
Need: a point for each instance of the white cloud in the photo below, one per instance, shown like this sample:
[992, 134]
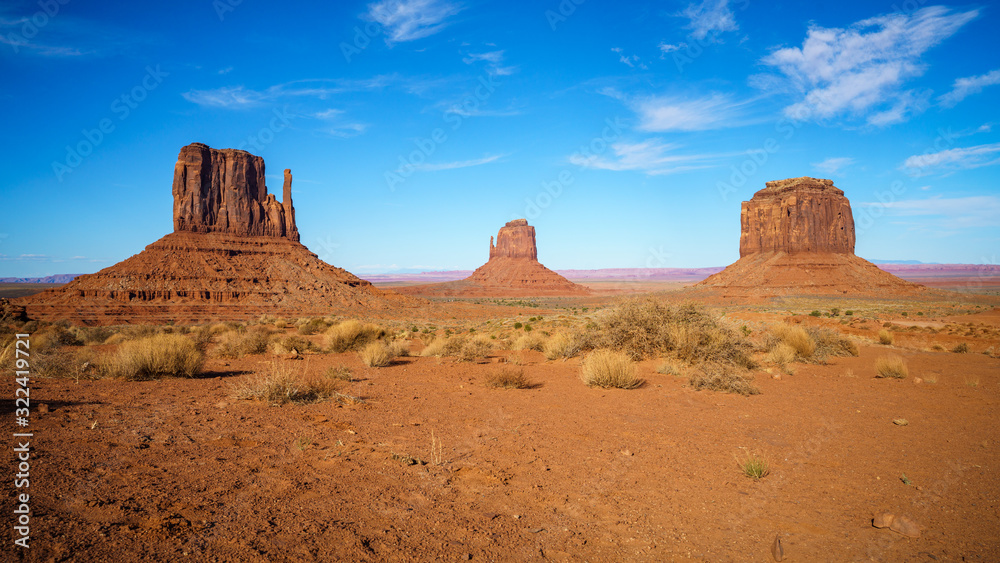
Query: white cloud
[241, 97]
[666, 48]
[974, 211]
[710, 17]
[965, 87]
[833, 165]
[962, 158]
[230, 97]
[493, 60]
[226, 70]
[859, 71]
[407, 20]
[652, 157]
[669, 113]
[458, 164]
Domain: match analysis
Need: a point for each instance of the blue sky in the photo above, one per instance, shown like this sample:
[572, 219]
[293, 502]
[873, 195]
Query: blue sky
[628, 133]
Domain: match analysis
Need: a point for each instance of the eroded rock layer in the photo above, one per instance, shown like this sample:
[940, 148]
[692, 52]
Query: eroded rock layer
[797, 215]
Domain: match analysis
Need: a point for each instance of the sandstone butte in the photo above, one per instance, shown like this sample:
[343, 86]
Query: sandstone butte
[513, 270]
[797, 238]
[234, 255]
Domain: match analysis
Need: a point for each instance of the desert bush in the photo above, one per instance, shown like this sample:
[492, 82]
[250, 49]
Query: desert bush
[377, 354]
[65, 362]
[830, 342]
[891, 366]
[286, 343]
[781, 355]
[279, 385]
[885, 337]
[962, 348]
[340, 372]
[563, 345]
[669, 367]
[312, 326]
[475, 349]
[153, 357]
[609, 369]
[351, 335]
[400, 347]
[515, 358]
[54, 336]
[529, 341]
[508, 378]
[795, 337]
[435, 348]
[93, 334]
[239, 343]
[725, 378]
[645, 327]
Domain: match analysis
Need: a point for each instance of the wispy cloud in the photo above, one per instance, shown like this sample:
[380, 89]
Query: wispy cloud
[652, 157]
[962, 158]
[859, 72]
[428, 167]
[965, 87]
[630, 61]
[407, 20]
[241, 97]
[710, 17]
[974, 211]
[61, 35]
[833, 165]
[667, 48]
[673, 113]
[494, 60]
[334, 124]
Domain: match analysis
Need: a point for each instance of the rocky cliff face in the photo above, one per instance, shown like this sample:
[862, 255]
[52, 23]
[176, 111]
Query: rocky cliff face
[516, 239]
[223, 191]
[797, 215]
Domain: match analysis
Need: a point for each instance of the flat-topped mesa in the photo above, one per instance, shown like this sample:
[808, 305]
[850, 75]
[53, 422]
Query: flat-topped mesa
[797, 215]
[223, 191]
[516, 239]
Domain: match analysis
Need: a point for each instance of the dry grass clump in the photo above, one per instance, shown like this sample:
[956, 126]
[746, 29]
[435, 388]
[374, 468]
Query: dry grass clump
[279, 385]
[529, 341]
[351, 335]
[781, 355]
[377, 354]
[435, 348]
[287, 343]
[475, 349]
[885, 337]
[239, 343]
[312, 326]
[754, 466]
[454, 344]
[153, 357]
[645, 327]
[720, 377]
[796, 338]
[65, 361]
[89, 335]
[609, 369]
[566, 345]
[891, 366]
[962, 348]
[830, 342]
[508, 378]
[340, 372]
[400, 347]
[670, 367]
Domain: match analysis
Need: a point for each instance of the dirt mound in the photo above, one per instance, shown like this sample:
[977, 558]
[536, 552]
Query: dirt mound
[234, 255]
[513, 270]
[797, 238]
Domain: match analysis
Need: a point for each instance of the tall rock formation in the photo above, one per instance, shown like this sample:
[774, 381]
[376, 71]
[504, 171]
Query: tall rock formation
[513, 270]
[224, 191]
[234, 254]
[797, 237]
[797, 215]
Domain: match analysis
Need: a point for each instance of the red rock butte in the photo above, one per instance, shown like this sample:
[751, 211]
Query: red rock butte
[797, 238]
[513, 270]
[234, 255]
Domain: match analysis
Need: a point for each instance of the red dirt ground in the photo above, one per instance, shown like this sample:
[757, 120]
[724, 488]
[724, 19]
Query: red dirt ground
[177, 470]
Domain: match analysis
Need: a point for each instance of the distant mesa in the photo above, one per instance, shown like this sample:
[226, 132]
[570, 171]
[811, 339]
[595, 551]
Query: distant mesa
[234, 254]
[513, 270]
[797, 238]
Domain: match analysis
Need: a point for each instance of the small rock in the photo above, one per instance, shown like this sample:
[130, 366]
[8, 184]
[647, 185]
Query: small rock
[221, 405]
[883, 520]
[905, 526]
[777, 551]
[43, 408]
[900, 422]
[917, 380]
[776, 376]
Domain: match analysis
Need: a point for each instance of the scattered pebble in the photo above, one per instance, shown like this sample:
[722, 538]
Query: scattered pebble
[900, 422]
[777, 551]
